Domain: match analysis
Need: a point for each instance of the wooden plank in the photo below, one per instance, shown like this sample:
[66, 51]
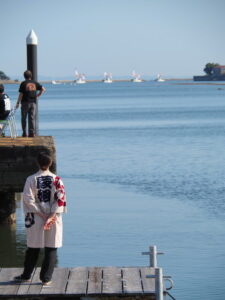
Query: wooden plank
[59, 282]
[147, 283]
[36, 285]
[16, 142]
[81, 281]
[24, 286]
[94, 281]
[7, 285]
[131, 281]
[24, 141]
[77, 282]
[112, 281]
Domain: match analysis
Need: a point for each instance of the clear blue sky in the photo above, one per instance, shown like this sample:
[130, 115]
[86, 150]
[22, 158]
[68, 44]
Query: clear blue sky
[173, 37]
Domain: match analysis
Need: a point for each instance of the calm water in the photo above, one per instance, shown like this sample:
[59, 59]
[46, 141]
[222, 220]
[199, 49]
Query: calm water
[143, 164]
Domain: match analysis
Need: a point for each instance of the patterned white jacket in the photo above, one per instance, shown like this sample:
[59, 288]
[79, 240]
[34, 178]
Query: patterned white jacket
[43, 192]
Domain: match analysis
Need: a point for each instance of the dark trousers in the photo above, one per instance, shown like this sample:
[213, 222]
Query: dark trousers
[48, 263]
[30, 110]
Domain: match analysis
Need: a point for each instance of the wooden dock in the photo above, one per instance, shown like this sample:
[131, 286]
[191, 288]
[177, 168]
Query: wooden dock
[96, 282]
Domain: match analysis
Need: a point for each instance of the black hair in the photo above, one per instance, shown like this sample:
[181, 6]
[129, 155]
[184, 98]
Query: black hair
[27, 74]
[44, 160]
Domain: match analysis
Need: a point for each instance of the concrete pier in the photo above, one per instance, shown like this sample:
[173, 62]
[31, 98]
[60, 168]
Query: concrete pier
[17, 162]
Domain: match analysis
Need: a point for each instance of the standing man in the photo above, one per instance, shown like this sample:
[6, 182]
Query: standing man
[28, 96]
[44, 201]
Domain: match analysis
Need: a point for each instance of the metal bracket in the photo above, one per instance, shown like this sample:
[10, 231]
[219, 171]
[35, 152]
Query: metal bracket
[152, 256]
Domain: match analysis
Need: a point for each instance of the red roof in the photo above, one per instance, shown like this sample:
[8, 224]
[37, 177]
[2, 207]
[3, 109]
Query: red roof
[220, 67]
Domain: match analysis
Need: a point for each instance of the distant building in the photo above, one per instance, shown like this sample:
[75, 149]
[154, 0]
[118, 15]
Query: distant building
[218, 71]
[218, 74]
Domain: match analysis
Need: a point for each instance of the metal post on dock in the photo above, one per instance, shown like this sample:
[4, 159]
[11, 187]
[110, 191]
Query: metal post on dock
[159, 283]
[159, 278]
[152, 256]
[159, 288]
[32, 42]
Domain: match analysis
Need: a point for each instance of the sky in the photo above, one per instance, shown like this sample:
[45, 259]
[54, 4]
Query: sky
[175, 38]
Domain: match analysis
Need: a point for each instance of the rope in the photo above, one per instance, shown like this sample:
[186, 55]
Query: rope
[170, 296]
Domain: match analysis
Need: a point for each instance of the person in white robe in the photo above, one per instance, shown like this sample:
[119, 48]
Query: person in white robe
[44, 201]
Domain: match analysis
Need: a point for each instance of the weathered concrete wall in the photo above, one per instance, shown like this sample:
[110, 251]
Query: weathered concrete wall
[18, 160]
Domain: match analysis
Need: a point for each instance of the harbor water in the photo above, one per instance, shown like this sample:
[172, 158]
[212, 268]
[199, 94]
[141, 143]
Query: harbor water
[143, 164]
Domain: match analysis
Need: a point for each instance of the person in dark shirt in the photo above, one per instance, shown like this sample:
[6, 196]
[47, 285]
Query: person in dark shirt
[5, 106]
[29, 91]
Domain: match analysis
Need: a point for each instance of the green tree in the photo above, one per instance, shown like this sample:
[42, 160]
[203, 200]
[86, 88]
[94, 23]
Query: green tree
[3, 76]
[209, 67]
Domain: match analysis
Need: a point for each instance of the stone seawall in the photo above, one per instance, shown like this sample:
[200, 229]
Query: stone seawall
[17, 162]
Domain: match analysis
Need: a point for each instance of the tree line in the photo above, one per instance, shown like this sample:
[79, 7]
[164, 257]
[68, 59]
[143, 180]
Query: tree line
[209, 68]
[3, 76]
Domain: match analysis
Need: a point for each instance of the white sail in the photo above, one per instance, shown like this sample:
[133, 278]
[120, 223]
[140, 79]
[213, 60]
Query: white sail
[55, 82]
[107, 77]
[159, 78]
[136, 77]
[79, 77]
[133, 73]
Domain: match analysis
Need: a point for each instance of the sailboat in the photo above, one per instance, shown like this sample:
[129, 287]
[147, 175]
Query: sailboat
[159, 78]
[80, 78]
[136, 77]
[107, 77]
[55, 82]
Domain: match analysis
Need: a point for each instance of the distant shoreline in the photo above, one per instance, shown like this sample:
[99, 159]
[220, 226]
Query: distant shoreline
[191, 82]
[88, 80]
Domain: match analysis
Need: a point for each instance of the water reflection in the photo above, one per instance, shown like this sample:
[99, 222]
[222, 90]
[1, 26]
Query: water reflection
[12, 247]
[13, 242]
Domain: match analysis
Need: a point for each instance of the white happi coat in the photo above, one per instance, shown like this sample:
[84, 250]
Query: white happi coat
[43, 192]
